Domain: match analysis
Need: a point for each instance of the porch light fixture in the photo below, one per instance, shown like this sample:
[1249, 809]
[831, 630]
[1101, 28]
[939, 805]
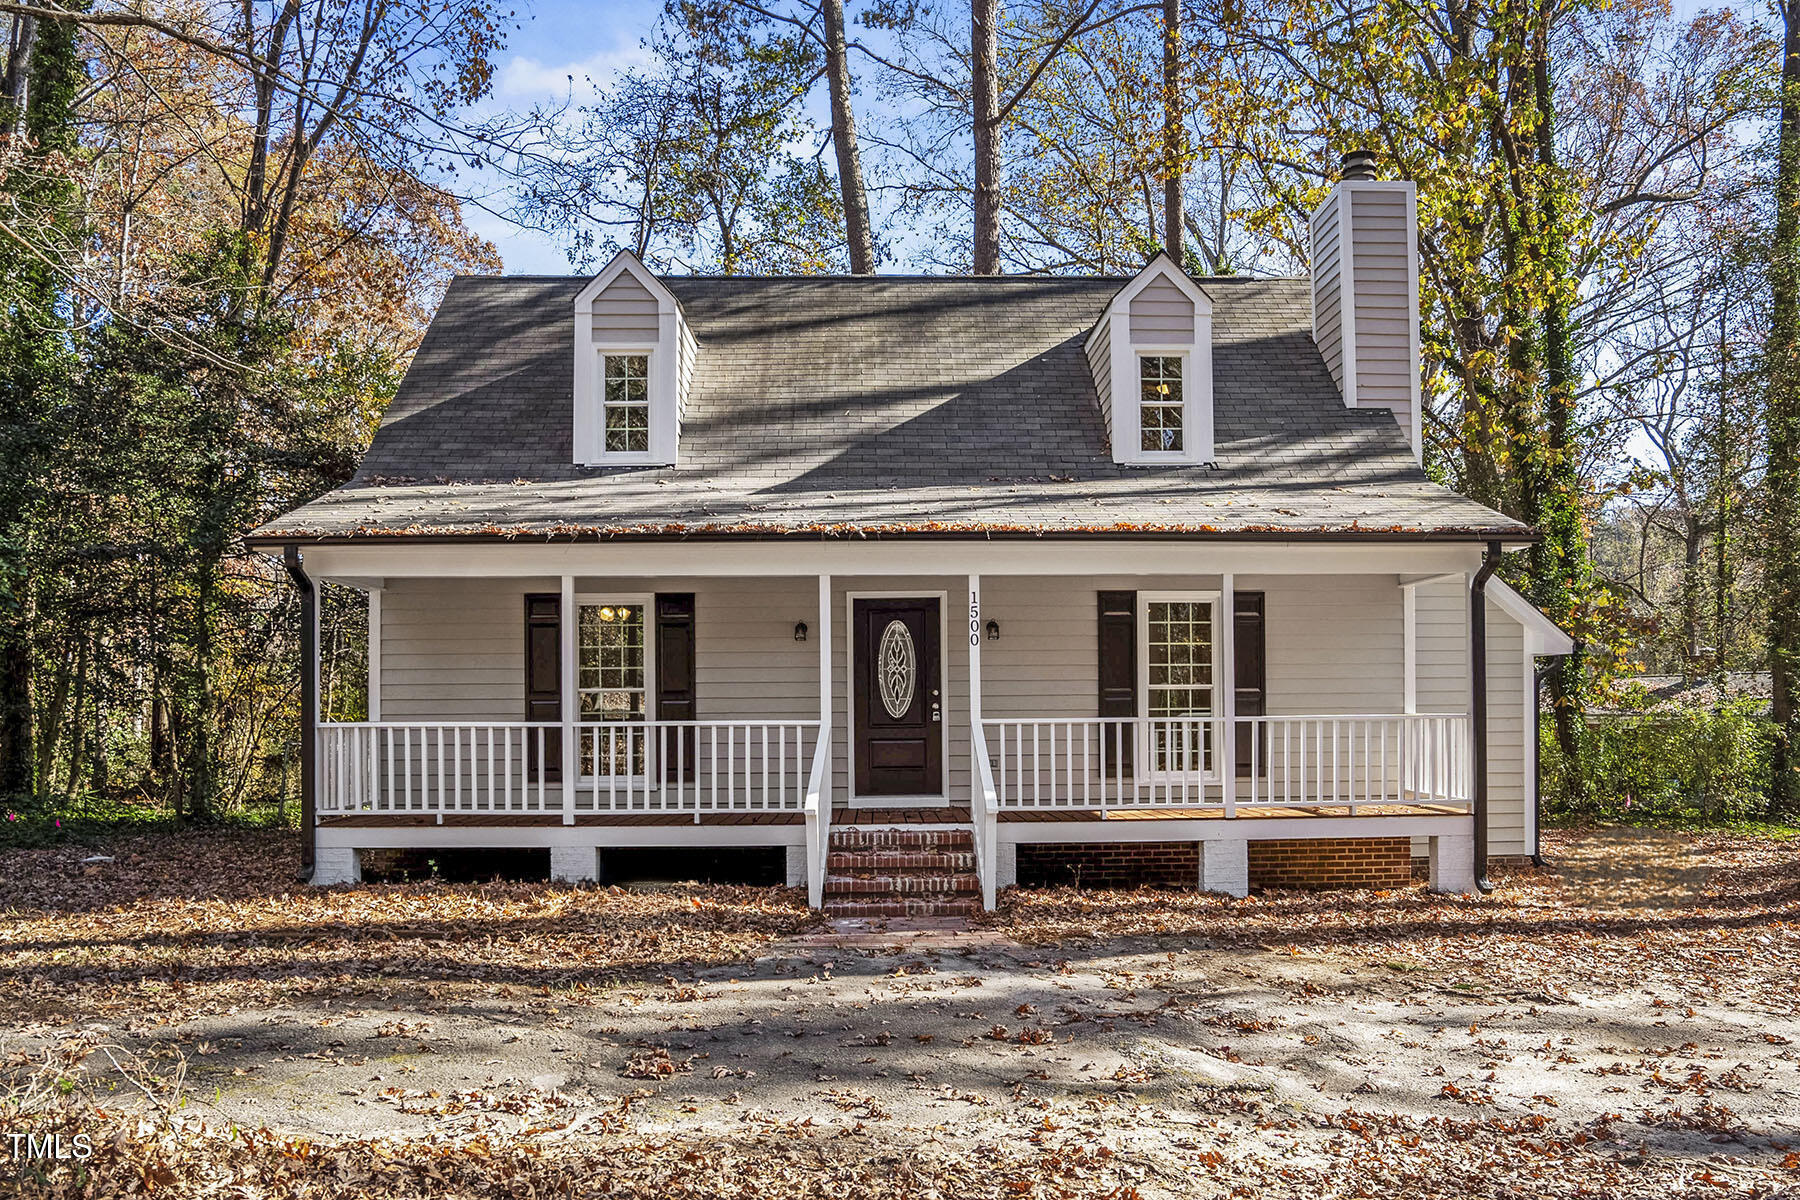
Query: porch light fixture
[799, 631]
[993, 631]
[607, 614]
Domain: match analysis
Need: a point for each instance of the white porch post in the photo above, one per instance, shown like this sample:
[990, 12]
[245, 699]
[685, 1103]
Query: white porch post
[566, 629]
[818, 839]
[986, 821]
[1225, 687]
[374, 705]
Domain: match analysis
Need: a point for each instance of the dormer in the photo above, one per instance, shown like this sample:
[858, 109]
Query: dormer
[633, 357]
[1151, 355]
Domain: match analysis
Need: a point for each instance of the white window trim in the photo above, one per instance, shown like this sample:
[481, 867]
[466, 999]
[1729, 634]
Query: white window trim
[647, 600]
[941, 798]
[1221, 738]
[588, 428]
[1139, 352]
[1126, 429]
[602, 352]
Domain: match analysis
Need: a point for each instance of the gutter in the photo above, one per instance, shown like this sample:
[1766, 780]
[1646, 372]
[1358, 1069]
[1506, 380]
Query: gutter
[1490, 562]
[309, 708]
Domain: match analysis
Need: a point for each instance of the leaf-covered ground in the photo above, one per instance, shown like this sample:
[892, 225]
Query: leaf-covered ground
[1624, 1024]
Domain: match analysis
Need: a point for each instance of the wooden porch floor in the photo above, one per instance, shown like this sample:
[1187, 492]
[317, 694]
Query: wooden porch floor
[954, 815]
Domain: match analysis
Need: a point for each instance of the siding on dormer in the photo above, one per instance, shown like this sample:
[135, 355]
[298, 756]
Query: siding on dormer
[1161, 313]
[625, 312]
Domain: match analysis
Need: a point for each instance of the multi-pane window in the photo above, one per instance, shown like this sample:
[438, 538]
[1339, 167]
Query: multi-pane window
[626, 403]
[1159, 412]
[612, 684]
[1178, 653]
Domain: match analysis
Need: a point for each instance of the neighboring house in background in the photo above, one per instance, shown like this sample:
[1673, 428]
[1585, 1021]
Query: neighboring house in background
[934, 582]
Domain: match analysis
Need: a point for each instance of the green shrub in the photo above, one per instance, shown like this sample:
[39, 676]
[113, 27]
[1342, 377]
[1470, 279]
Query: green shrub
[1711, 766]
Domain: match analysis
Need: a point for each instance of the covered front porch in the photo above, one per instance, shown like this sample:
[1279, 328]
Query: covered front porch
[1050, 693]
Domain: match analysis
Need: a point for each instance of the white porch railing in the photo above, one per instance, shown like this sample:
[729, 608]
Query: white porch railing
[694, 767]
[1149, 763]
[443, 768]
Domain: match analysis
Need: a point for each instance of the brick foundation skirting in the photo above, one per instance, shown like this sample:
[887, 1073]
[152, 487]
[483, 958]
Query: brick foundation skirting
[1290, 863]
[1110, 864]
[1331, 863]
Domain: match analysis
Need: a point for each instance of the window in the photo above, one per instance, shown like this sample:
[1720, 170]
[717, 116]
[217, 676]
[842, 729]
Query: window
[1159, 412]
[626, 404]
[612, 682]
[1178, 676]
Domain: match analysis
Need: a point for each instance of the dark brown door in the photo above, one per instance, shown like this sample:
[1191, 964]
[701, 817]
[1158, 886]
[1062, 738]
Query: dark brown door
[899, 711]
[543, 683]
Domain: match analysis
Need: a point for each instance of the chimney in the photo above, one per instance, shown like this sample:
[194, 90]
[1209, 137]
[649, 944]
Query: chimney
[1364, 239]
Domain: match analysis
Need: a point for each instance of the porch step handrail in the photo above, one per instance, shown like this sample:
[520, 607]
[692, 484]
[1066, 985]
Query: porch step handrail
[1347, 760]
[439, 768]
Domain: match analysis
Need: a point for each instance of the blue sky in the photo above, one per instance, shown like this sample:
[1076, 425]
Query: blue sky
[563, 39]
[558, 39]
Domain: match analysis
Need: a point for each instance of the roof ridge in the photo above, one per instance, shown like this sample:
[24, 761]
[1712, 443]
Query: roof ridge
[907, 278]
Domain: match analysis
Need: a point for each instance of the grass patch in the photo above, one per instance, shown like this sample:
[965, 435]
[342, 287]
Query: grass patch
[36, 822]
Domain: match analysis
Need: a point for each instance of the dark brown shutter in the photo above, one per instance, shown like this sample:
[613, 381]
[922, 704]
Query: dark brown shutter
[1118, 666]
[1252, 671]
[543, 681]
[675, 676]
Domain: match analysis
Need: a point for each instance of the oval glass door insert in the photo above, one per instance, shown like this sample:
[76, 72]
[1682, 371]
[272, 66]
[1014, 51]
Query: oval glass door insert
[898, 669]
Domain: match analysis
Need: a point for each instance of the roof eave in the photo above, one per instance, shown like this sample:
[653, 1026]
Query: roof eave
[272, 539]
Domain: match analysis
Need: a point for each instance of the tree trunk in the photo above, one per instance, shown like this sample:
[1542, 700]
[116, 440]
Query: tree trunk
[1174, 147]
[857, 236]
[985, 108]
[1781, 481]
[1560, 560]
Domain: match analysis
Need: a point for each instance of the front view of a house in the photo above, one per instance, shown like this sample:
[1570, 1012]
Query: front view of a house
[939, 583]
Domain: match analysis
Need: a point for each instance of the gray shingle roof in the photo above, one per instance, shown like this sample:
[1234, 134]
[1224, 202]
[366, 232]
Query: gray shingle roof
[878, 404]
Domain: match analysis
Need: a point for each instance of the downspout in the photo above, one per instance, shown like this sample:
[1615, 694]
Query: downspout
[1490, 562]
[309, 707]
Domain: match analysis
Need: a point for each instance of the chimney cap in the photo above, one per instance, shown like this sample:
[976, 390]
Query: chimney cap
[1357, 164]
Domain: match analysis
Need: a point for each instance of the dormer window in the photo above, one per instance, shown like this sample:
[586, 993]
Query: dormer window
[1151, 354]
[1160, 405]
[633, 357]
[627, 401]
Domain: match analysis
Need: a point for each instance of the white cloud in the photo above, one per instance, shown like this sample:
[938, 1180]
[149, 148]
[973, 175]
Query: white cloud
[524, 78]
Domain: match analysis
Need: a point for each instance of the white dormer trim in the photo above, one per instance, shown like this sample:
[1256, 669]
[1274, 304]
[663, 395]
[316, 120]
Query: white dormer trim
[1122, 354]
[666, 349]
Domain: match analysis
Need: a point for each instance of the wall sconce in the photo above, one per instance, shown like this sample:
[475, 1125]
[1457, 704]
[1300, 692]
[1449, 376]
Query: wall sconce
[799, 631]
[993, 631]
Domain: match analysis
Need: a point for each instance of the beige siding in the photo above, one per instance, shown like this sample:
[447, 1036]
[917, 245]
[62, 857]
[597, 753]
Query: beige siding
[1327, 299]
[1382, 287]
[1442, 658]
[454, 650]
[625, 312]
[1162, 313]
[1100, 361]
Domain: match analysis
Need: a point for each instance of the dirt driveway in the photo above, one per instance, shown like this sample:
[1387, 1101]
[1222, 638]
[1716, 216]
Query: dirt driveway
[1626, 1025]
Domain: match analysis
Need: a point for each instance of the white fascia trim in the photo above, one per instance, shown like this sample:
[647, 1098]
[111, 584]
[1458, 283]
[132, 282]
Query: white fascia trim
[1122, 356]
[665, 369]
[1542, 637]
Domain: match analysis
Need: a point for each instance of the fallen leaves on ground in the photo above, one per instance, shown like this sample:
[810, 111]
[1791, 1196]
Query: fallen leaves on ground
[1720, 913]
[195, 923]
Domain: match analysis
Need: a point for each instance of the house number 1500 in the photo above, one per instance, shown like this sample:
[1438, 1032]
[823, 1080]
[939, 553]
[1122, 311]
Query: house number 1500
[974, 618]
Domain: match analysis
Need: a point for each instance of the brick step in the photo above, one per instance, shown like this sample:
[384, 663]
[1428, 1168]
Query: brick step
[898, 862]
[894, 886]
[895, 839]
[903, 908]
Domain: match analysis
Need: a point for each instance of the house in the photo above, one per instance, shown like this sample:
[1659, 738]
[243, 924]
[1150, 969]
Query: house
[937, 583]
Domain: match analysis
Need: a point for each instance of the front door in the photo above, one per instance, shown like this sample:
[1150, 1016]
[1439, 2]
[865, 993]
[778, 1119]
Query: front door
[899, 712]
